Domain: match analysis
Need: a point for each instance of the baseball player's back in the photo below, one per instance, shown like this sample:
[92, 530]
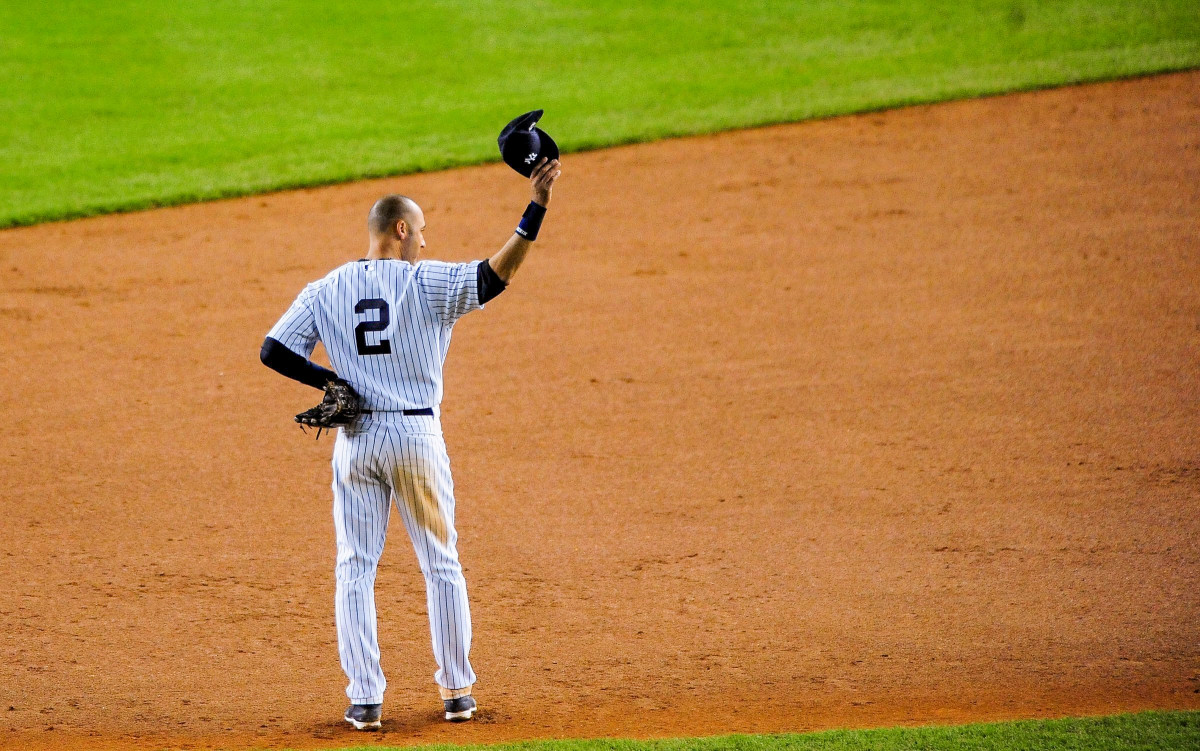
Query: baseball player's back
[386, 326]
[386, 321]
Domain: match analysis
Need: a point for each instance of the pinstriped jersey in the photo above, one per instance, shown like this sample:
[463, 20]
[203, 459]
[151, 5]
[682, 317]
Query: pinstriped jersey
[385, 324]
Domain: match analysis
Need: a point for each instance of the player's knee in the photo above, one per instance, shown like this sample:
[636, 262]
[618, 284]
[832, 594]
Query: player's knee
[444, 572]
[356, 568]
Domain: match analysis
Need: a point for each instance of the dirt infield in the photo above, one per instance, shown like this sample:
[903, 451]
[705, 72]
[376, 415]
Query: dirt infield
[883, 419]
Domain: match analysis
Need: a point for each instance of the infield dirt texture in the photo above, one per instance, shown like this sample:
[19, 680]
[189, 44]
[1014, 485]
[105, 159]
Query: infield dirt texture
[879, 420]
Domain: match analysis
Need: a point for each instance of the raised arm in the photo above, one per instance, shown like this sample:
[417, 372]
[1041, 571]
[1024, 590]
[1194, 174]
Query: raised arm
[506, 262]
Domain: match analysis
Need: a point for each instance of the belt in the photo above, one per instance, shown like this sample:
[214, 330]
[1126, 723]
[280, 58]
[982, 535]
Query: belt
[428, 411]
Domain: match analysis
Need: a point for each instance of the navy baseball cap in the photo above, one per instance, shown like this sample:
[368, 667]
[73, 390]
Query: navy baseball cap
[523, 144]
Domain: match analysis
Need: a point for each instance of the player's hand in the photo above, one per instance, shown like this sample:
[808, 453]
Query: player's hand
[541, 181]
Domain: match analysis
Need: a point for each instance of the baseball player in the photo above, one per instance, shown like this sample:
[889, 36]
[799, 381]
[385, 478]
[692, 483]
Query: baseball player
[385, 321]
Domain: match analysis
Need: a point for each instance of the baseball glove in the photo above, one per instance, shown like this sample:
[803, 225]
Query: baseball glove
[340, 406]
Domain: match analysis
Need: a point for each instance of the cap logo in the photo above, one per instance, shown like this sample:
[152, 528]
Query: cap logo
[531, 157]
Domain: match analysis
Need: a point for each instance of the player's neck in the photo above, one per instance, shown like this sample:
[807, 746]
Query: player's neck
[383, 250]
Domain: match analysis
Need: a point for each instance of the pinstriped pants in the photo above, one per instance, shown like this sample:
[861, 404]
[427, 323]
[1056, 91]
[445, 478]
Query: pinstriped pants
[376, 460]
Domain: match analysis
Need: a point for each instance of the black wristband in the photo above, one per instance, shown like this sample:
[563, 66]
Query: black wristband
[531, 221]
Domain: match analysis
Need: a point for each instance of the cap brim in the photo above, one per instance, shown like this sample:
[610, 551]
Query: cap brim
[521, 122]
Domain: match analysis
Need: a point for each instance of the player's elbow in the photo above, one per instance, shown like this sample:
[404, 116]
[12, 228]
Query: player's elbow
[265, 354]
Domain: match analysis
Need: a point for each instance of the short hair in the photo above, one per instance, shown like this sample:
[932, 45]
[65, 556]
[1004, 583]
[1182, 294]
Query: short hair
[389, 210]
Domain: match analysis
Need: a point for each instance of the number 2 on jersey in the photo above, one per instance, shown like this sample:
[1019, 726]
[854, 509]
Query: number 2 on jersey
[360, 331]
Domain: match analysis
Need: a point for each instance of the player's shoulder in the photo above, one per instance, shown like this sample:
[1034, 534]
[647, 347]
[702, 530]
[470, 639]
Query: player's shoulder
[349, 268]
[433, 266]
[432, 269]
[313, 289]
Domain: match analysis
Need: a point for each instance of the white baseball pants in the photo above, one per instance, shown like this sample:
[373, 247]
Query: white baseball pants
[383, 457]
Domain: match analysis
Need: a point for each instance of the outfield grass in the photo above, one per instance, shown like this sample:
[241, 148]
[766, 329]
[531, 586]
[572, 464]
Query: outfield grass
[122, 104]
[1130, 732]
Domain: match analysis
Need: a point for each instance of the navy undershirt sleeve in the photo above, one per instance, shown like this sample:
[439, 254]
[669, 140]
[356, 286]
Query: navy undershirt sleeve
[489, 282]
[276, 356]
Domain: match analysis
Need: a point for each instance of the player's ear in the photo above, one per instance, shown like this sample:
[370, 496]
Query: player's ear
[401, 229]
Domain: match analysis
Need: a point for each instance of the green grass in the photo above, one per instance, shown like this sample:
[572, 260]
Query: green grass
[119, 104]
[1130, 732]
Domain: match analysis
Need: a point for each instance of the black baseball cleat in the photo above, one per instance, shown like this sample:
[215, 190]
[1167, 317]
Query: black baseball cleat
[460, 709]
[364, 716]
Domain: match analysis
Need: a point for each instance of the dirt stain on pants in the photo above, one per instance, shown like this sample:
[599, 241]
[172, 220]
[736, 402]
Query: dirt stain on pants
[415, 490]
